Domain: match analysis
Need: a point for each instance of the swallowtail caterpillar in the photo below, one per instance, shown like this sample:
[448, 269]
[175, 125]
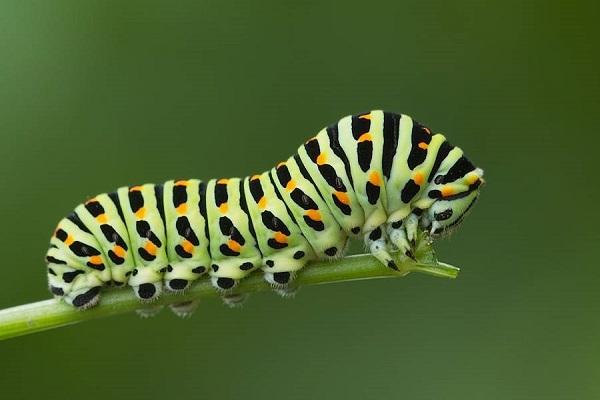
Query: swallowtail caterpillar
[378, 176]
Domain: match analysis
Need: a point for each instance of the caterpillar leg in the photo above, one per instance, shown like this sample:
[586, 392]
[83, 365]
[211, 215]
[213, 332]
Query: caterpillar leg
[403, 234]
[377, 245]
[146, 283]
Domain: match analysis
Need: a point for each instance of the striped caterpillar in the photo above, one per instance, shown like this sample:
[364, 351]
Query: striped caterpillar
[375, 175]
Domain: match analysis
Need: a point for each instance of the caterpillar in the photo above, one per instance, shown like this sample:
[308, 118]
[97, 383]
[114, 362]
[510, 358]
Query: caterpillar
[375, 175]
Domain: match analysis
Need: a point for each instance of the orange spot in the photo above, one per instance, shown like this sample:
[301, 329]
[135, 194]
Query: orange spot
[234, 246]
[137, 188]
[322, 159]
[365, 137]
[291, 185]
[255, 177]
[262, 203]
[187, 246]
[280, 237]
[182, 208]
[366, 116]
[223, 181]
[447, 191]
[140, 213]
[119, 251]
[342, 197]
[374, 179]
[150, 248]
[418, 178]
[315, 215]
[423, 145]
[69, 240]
[96, 260]
[102, 218]
[182, 183]
[223, 208]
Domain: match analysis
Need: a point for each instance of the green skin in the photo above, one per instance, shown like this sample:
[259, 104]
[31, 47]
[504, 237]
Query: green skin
[304, 209]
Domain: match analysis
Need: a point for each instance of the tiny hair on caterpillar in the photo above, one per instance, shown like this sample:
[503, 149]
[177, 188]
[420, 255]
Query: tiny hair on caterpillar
[377, 175]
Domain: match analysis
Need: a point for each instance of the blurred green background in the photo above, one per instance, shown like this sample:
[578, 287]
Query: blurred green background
[99, 94]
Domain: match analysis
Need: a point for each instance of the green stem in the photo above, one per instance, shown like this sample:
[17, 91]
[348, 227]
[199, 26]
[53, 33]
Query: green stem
[49, 314]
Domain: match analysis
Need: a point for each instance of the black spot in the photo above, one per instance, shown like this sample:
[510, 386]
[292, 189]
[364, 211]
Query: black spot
[221, 194]
[146, 290]
[298, 255]
[84, 298]
[134, 272]
[181, 252]
[51, 271]
[169, 268]
[256, 189]
[179, 195]
[409, 191]
[274, 244]
[94, 208]
[246, 266]
[69, 276]
[178, 284]
[115, 258]
[199, 270]
[136, 200]
[270, 263]
[61, 235]
[372, 192]
[391, 264]
[331, 251]
[444, 215]
[226, 251]
[375, 234]
[434, 194]
[365, 154]
[316, 225]
[215, 267]
[355, 230]
[145, 255]
[303, 200]
[283, 175]
[281, 277]
[225, 283]
[396, 224]
[344, 208]
[53, 260]
[57, 291]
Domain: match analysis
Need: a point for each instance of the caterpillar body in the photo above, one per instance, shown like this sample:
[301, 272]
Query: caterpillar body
[375, 175]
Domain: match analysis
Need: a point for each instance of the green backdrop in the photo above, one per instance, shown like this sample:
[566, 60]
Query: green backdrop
[99, 94]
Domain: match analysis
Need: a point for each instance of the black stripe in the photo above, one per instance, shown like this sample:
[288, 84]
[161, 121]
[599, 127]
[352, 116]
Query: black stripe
[74, 218]
[281, 198]
[202, 207]
[334, 143]
[391, 124]
[306, 175]
[114, 196]
[442, 153]
[160, 204]
[244, 207]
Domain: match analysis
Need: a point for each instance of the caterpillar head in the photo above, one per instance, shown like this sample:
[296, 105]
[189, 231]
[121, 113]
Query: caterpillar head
[452, 193]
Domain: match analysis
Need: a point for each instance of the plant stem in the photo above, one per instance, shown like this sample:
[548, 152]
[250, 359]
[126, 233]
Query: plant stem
[49, 314]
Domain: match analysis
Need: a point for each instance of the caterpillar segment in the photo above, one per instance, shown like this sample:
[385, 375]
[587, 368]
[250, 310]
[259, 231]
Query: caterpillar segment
[376, 175]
